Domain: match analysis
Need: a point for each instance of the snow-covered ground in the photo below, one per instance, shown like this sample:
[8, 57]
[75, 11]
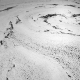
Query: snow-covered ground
[40, 41]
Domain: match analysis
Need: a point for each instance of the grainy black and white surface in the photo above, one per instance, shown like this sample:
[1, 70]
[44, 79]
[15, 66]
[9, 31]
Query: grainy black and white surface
[40, 40]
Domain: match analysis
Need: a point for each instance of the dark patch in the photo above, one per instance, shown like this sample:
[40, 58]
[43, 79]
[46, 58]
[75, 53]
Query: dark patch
[18, 20]
[46, 30]
[71, 5]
